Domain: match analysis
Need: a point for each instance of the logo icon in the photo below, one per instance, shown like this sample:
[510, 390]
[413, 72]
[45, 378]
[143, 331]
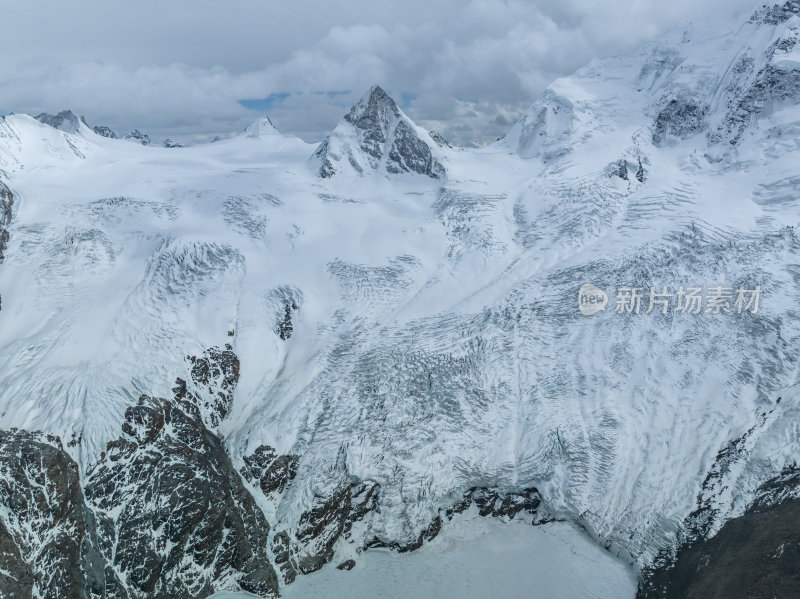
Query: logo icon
[591, 299]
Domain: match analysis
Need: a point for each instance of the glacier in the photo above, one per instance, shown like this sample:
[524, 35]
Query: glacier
[404, 315]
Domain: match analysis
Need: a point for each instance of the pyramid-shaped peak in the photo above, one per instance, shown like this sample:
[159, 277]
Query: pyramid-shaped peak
[374, 106]
[378, 94]
[376, 136]
[261, 127]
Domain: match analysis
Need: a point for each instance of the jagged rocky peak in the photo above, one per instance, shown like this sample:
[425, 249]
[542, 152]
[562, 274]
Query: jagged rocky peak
[374, 107]
[100, 130]
[138, 137]
[776, 12]
[376, 136]
[65, 120]
[104, 131]
[261, 127]
[171, 143]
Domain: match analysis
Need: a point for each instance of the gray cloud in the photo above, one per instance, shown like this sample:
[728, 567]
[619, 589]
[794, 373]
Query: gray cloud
[180, 68]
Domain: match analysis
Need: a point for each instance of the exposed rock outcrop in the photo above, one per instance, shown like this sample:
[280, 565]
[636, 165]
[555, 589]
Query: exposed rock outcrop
[65, 120]
[310, 545]
[269, 471]
[498, 503]
[6, 207]
[138, 137]
[208, 394]
[439, 139]
[680, 118]
[163, 514]
[173, 514]
[754, 555]
[48, 544]
[104, 131]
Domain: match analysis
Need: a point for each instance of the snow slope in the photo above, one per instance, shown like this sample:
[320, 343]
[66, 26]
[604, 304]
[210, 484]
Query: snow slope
[422, 333]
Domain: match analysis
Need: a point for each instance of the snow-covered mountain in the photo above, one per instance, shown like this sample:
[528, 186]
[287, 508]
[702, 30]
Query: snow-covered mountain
[231, 364]
[65, 121]
[377, 136]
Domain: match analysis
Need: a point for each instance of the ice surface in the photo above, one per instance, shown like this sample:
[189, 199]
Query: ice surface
[474, 558]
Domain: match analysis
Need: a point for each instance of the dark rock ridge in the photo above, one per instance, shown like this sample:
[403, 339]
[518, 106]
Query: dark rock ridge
[640, 172]
[284, 328]
[104, 131]
[171, 143]
[753, 556]
[498, 503]
[311, 544]
[489, 501]
[163, 514]
[64, 120]
[439, 139]
[138, 137]
[307, 545]
[326, 168]
[100, 130]
[385, 140]
[48, 543]
[173, 515]
[6, 207]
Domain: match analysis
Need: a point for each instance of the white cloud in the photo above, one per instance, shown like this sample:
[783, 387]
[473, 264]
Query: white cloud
[181, 67]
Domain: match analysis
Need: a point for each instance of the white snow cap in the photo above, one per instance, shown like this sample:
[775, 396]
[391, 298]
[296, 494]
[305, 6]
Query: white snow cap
[261, 127]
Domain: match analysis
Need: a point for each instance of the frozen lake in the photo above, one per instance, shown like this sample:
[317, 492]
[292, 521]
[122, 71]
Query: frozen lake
[474, 558]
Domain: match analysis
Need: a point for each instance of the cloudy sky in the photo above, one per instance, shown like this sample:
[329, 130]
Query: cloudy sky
[192, 69]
